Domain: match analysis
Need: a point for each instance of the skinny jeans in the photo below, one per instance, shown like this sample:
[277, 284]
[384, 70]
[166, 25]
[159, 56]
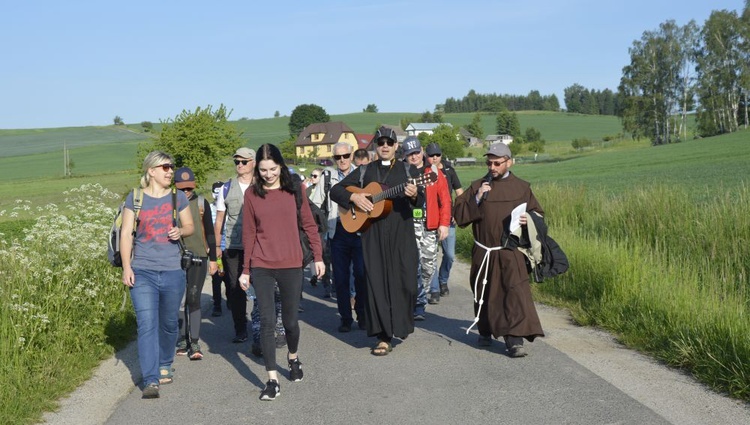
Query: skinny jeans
[290, 289]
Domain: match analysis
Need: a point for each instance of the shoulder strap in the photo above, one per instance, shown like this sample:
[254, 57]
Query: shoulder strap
[137, 204]
[201, 204]
[362, 167]
[225, 188]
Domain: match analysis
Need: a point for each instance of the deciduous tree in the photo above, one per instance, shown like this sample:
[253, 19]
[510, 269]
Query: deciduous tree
[447, 138]
[202, 140]
[304, 115]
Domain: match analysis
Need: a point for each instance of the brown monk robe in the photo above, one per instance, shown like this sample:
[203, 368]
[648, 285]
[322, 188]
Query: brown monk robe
[508, 308]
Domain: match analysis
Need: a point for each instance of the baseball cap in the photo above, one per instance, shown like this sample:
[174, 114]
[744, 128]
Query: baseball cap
[386, 132]
[432, 149]
[244, 152]
[411, 145]
[216, 187]
[184, 178]
[499, 149]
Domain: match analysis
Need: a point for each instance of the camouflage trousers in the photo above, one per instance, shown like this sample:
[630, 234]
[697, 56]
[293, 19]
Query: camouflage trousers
[427, 244]
[255, 318]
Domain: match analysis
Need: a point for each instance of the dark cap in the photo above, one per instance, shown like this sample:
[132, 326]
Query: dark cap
[386, 132]
[411, 145]
[184, 178]
[499, 149]
[433, 149]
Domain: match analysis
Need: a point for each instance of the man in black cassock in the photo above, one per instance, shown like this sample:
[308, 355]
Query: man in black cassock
[388, 244]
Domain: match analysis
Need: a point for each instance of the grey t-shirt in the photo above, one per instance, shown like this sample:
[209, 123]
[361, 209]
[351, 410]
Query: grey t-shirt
[153, 248]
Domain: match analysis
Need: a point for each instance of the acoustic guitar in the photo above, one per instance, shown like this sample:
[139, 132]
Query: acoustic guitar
[356, 220]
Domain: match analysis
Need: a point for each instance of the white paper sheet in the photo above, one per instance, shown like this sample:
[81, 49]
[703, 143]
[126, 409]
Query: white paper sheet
[515, 216]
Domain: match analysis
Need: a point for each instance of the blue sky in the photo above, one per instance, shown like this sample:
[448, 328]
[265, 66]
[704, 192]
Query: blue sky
[80, 63]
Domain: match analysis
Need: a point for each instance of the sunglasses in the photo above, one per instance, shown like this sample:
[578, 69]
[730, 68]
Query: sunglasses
[187, 189]
[315, 176]
[496, 163]
[165, 167]
[390, 142]
[345, 156]
[436, 155]
[241, 161]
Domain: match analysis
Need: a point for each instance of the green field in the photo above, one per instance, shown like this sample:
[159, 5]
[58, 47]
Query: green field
[38, 154]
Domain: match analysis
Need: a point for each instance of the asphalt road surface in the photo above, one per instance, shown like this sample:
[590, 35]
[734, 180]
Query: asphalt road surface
[437, 375]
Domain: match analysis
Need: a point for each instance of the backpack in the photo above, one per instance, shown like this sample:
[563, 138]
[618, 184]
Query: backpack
[321, 219]
[113, 244]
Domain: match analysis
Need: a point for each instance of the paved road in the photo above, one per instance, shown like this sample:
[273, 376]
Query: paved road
[437, 376]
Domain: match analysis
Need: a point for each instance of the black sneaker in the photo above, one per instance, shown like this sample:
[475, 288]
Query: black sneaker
[444, 291]
[434, 298]
[295, 370]
[216, 311]
[345, 327]
[256, 350]
[271, 390]
[240, 338]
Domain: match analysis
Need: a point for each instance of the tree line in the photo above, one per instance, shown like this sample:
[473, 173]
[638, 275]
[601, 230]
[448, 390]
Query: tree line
[474, 102]
[678, 70]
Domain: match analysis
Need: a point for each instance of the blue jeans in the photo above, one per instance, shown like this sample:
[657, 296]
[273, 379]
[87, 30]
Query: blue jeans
[449, 254]
[346, 251]
[156, 298]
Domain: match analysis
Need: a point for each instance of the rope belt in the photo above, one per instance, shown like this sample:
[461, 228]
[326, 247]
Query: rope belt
[484, 265]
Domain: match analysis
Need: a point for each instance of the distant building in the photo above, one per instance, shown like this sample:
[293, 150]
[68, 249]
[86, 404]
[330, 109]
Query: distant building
[468, 138]
[494, 138]
[317, 140]
[416, 128]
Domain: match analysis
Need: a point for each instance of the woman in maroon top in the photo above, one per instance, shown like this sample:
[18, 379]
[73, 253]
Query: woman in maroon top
[273, 255]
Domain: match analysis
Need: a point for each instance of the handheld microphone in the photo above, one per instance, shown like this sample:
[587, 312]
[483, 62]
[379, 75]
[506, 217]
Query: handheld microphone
[486, 179]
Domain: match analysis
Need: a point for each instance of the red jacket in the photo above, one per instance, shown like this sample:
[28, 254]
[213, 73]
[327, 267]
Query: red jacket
[438, 201]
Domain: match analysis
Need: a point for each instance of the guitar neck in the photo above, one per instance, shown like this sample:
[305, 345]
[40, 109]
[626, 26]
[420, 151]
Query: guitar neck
[388, 193]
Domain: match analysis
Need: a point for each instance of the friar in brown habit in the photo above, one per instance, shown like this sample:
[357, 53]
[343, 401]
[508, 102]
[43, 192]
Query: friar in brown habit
[499, 277]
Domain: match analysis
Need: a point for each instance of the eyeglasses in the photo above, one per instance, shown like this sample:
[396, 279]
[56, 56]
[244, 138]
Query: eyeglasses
[165, 167]
[497, 163]
[345, 156]
[242, 161]
[315, 176]
[436, 155]
[390, 142]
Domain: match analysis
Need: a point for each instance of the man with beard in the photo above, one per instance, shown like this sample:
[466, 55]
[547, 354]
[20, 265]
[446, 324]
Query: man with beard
[499, 277]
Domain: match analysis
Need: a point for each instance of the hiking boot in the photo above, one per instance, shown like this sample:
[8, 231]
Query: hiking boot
[434, 298]
[484, 341]
[517, 351]
[515, 347]
[216, 311]
[444, 291]
[181, 347]
[150, 391]
[271, 390]
[194, 352]
[295, 370]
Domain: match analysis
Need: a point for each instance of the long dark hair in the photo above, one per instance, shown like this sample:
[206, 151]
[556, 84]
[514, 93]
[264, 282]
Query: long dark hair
[269, 151]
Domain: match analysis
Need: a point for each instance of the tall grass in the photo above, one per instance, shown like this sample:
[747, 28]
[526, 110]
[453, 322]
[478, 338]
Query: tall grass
[62, 307]
[665, 268]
